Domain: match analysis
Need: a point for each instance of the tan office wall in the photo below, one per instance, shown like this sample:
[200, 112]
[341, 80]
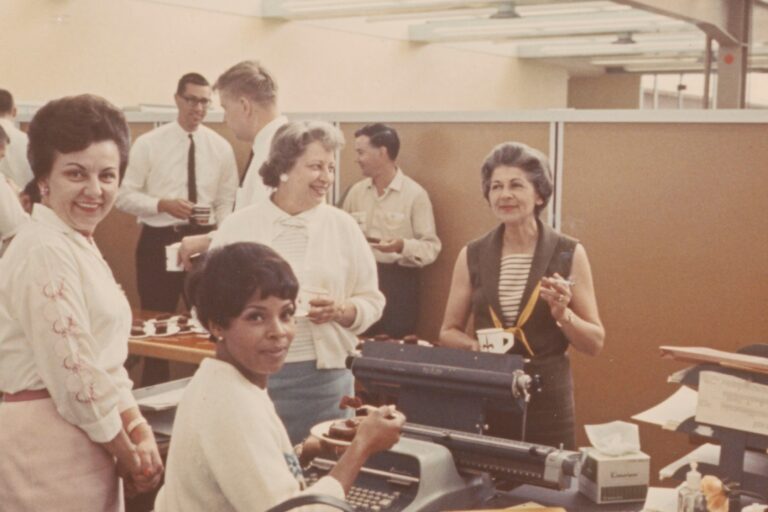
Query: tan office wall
[134, 52]
[673, 220]
[446, 160]
[604, 91]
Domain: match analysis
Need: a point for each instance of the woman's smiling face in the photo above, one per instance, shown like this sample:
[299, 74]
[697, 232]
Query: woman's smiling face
[512, 196]
[82, 186]
[256, 342]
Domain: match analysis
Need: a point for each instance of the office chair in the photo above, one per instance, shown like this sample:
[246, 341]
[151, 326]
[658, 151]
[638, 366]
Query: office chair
[312, 499]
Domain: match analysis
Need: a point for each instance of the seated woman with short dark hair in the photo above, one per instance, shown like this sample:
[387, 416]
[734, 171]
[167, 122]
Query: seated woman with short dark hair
[229, 450]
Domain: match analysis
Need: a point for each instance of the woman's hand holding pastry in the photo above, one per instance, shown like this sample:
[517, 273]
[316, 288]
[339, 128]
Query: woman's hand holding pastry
[556, 291]
[380, 429]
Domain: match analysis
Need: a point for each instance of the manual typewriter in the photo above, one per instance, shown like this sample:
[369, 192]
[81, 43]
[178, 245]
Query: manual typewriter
[443, 461]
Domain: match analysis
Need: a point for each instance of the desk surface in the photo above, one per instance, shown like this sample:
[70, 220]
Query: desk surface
[183, 347]
[571, 500]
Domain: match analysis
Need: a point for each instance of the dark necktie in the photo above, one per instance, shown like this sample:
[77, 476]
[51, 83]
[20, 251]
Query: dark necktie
[191, 181]
[247, 166]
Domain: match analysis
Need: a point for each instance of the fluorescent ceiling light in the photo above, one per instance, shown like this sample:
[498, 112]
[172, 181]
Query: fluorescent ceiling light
[589, 50]
[569, 8]
[299, 9]
[602, 23]
[644, 60]
[431, 15]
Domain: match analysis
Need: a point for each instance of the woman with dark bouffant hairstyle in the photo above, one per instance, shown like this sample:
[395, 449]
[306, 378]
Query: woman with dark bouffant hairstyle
[69, 425]
[339, 295]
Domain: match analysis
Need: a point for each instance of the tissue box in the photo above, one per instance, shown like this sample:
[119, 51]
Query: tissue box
[614, 479]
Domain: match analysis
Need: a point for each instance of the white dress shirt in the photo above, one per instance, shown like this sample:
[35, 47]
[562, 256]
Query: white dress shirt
[64, 325]
[12, 215]
[402, 211]
[15, 164]
[337, 259]
[230, 451]
[157, 169]
[254, 189]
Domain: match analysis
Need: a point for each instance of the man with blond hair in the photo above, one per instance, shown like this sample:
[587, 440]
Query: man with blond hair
[248, 95]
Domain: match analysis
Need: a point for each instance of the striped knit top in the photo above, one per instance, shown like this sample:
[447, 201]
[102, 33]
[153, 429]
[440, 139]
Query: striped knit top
[513, 276]
[291, 243]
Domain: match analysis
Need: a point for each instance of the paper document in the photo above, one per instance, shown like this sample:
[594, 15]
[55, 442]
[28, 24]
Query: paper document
[670, 413]
[660, 499]
[755, 462]
[707, 453]
[710, 355]
[729, 401]
[161, 401]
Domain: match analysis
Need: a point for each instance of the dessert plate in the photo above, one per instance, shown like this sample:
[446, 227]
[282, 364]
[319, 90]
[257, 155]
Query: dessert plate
[320, 431]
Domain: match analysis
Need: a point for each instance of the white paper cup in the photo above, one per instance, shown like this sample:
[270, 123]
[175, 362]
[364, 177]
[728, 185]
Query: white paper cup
[495, 340]
[172, 258]
[306, 294]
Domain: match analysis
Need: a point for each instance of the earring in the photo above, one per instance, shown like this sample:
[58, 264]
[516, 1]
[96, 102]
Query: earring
[283, 178]
[44, 190]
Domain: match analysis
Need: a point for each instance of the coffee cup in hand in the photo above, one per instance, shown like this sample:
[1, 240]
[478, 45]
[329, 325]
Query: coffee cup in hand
[201, 214]
[495, 340]
[306, 295]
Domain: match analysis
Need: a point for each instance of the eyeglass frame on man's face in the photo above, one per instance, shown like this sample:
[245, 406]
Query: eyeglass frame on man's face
[194, 101]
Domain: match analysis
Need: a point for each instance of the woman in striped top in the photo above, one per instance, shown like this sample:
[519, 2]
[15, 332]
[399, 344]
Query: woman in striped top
[522, 276]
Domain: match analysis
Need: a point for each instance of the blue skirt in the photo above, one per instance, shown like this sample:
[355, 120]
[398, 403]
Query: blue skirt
[305, 396]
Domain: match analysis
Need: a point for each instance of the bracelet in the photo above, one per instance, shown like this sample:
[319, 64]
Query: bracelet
[134, 423]
[567, 318]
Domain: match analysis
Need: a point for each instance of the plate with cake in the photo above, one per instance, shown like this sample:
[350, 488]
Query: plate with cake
[339, 432]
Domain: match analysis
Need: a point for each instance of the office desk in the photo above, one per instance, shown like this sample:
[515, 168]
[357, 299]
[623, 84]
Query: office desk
[569, 499]
[182, 348]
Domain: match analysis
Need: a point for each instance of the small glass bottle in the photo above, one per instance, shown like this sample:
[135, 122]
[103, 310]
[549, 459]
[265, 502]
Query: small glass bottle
[689, 496]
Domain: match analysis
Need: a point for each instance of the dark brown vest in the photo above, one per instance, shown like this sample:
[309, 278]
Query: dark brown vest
[553, 253]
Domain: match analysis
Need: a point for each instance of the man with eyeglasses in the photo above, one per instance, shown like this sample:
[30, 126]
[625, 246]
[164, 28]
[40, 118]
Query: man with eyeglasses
[181, 180]
[248, 95]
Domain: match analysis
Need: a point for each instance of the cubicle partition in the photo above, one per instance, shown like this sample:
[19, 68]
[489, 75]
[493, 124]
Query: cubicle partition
[670, 207]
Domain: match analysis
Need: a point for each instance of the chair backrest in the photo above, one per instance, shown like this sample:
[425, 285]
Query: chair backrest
[312, 499]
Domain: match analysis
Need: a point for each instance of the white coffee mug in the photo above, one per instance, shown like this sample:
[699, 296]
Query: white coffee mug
[306, 294]
[495, 340]
[172, 258]
[201, 214]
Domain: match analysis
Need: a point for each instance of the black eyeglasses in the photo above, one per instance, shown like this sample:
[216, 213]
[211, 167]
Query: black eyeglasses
[194, 101]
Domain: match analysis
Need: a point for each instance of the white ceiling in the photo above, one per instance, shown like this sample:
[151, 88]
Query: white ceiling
[584, 36]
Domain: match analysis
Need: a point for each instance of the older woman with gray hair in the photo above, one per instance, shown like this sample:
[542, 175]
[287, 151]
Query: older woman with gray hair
[339, 295]
[529, 280]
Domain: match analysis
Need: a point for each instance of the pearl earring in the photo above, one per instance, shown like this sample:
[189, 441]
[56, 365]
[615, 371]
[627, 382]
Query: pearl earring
[283, 178]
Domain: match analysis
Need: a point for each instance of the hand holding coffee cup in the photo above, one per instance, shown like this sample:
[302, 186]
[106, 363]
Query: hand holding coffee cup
[306, 295]
[321, 307]
[201, 214]
[495, 340]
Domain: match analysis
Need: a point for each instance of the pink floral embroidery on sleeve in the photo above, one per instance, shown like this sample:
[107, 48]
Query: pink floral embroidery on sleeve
[80, 380]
